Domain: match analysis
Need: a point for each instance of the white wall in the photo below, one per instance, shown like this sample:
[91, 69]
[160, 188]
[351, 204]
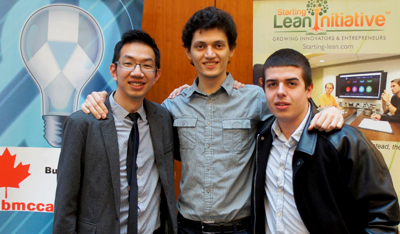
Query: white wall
[328, 74]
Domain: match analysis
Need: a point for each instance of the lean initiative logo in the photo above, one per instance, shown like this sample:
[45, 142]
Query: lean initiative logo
[316, 18]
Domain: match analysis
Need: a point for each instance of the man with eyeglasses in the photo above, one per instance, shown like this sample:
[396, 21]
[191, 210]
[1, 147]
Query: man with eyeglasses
[96, 186]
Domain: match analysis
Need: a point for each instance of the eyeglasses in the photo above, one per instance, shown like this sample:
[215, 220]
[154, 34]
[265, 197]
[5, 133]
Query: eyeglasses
[143, 67]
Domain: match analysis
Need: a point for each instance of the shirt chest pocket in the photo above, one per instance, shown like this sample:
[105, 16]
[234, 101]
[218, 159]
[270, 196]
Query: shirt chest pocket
[235, 134]
[186, 132]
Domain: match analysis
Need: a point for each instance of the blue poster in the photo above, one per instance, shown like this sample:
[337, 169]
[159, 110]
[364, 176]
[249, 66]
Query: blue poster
[52, 55]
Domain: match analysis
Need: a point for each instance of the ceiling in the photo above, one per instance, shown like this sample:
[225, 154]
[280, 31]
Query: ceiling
[333, 59]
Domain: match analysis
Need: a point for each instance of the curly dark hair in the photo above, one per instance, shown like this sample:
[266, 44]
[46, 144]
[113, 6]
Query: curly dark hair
[136, 36]
[210, 18]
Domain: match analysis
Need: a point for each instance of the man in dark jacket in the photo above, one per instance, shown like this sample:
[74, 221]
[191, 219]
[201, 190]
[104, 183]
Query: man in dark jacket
[103, 185]
[311, 181]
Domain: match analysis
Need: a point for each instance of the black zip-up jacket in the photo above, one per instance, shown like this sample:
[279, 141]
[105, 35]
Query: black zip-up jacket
[340, 180]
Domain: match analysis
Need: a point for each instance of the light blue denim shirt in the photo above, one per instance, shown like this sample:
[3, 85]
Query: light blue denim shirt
[217, 139]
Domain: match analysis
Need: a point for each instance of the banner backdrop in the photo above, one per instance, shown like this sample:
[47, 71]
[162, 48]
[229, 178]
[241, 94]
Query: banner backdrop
[322, 26]
[51, 58]
[338, 30]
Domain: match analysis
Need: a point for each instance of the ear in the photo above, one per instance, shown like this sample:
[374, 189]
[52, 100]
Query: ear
[309, 90]
[113, 71]
[157, 75]
[231, 53]
[188, 54]
[260, 82]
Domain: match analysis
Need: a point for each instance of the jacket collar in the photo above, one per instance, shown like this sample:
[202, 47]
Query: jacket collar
[308, 138]
[110, 138]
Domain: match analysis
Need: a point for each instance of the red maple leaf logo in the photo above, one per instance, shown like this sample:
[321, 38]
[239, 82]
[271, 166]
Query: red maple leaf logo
[11, 176]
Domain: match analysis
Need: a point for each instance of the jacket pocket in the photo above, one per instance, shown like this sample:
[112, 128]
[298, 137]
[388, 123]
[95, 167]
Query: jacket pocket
[85, 227]
[186, 132]
[235, 133]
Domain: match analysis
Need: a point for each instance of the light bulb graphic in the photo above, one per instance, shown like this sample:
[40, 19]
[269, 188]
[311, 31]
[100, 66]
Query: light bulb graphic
[62, 47]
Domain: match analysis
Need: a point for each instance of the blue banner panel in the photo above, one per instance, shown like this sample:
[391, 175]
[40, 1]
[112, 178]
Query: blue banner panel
[52, 55]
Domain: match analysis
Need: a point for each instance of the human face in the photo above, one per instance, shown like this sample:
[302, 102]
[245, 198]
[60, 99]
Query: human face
[133, 85]
[210, 53]
[395, 88]
[328, 89]
[287, 96]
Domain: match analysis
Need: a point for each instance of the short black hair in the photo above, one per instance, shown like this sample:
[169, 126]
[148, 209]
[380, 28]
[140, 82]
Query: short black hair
[210, 18]
[257, 73]
[289, 57]
[136, 36]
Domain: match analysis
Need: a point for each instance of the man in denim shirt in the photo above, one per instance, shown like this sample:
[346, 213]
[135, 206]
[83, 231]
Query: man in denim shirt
[216, 125]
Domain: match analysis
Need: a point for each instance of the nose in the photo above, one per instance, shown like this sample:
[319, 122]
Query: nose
[137, 70]
[281, 90]
[209, 52]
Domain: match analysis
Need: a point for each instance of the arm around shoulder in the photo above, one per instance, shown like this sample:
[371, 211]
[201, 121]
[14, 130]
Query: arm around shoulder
[174, 137]
[262, 103]
[372, 185]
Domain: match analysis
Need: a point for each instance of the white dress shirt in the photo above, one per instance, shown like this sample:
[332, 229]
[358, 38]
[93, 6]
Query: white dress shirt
[280, 207]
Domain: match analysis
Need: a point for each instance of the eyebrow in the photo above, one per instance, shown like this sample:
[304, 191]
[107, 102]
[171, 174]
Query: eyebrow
[130, 57]
[220, 41]
[214, 42]
[289, 79]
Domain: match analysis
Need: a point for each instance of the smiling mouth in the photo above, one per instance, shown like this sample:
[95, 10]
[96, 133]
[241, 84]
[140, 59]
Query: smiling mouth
[136, 83]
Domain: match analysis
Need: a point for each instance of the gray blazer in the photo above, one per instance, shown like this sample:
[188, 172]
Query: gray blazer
[88, 176]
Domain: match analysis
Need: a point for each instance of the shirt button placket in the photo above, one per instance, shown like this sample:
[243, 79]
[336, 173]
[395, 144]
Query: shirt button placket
[208, 157]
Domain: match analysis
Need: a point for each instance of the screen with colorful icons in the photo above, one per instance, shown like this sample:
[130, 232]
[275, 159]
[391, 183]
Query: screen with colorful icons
[361, 85]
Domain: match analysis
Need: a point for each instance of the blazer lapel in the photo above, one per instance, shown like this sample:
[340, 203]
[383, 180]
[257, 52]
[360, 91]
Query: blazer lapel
[156, 133]
[111, 143]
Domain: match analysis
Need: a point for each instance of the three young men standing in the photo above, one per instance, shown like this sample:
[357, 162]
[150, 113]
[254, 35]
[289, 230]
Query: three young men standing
[217, 125]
